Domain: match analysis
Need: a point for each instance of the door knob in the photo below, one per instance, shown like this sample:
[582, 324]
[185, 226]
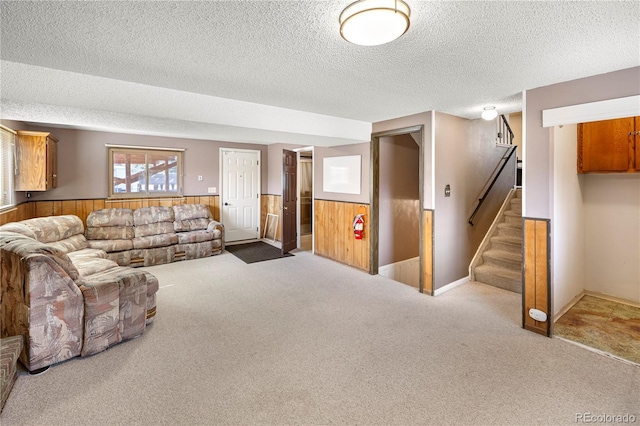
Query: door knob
[285, 207]
[226, 204]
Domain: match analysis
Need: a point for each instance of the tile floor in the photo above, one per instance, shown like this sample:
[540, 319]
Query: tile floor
[604, 325]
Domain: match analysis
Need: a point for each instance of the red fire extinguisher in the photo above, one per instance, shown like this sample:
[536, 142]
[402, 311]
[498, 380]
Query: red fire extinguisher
[358, 226]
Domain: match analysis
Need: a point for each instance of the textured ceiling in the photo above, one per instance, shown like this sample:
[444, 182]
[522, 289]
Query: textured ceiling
[235, 60]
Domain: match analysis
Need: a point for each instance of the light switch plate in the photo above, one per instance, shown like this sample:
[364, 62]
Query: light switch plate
[211, 190]
[199, 178]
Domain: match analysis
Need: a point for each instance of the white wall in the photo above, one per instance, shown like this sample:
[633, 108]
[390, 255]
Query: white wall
[465, 158]
[568, 220]
[537, 150]
[612, 237]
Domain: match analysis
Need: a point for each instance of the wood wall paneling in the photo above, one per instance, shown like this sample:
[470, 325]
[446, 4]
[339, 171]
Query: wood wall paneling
[333, 232]
[427, 252]
[536, 292]
[82, 208]
[270, 204]
[318, 231]
[44, 208]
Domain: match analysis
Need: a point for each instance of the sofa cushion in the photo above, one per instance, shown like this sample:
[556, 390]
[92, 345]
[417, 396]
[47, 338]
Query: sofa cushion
[161, 240]
[147, 215]
[191, 224]
[115, 307]
[73, 243]
[154, 229]
[54, 228]
[18, 228]
[111, 245]
[88, 266]
[117, 217]
[194, 237]
[196, 250]
[88, 252]
[110, 233]
[153, 256]
[122, 258]
[191, 211]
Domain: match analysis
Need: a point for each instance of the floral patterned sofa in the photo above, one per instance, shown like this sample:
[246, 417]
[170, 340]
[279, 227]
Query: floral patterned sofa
[66, 298]
[155, 235]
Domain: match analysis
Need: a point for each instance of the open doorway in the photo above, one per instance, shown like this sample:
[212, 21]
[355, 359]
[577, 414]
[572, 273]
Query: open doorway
[595, 297]
[399, 228]
[305, 199]
[399, 209]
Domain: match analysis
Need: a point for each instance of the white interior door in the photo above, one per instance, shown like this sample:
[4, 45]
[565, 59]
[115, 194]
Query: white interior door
[240, 196]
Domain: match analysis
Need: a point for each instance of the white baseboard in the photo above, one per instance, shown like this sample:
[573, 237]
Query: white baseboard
[451, 286]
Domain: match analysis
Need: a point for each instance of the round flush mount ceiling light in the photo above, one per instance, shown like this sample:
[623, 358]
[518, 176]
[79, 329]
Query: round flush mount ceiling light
[489, 113]
[374, 22]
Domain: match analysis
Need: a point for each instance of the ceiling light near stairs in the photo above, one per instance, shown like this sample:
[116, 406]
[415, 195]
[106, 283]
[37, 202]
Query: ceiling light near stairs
[374, 22]
[489, 113]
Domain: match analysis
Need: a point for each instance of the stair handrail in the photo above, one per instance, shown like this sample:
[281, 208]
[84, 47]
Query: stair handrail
[506, 159]
[505, 123]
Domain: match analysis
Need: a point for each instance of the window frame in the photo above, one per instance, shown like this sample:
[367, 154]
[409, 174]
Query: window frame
[112, 150]
[12, 167]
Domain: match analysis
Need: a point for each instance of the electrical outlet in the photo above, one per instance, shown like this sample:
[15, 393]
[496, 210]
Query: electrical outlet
[199, 178]
[211, 190]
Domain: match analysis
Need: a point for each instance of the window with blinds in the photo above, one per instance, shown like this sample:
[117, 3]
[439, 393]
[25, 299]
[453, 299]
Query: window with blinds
[7, 170]
[144, 173]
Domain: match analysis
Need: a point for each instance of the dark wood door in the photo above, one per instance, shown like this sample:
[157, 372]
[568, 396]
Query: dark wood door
[606, 146]
[289, 201]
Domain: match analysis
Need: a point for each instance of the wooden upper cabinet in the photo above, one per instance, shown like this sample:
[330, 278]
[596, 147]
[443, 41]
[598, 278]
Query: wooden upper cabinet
[608, 146]
[636, 145]
[36, 161]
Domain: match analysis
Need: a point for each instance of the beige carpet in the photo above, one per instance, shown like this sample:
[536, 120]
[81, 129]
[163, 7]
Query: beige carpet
[304, 340]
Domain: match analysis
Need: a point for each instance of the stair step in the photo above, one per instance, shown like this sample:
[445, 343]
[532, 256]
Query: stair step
[510, 229]
[504, 259]
[499, 277]
[516, 204]
[506, 243]
[511, 216]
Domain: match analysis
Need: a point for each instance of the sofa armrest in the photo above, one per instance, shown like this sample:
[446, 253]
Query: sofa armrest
[41, 302]
[214, 224]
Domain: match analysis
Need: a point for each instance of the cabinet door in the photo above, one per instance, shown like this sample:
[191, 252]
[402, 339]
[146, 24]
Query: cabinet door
[52, 163]
[31, 157]
[636, 144]
[606, 146]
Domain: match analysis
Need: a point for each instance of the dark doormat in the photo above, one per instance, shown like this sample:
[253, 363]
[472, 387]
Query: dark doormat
[256, 252]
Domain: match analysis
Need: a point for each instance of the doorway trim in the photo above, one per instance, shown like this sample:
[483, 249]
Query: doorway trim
[221, 167]
[313, 197]
[374, 193]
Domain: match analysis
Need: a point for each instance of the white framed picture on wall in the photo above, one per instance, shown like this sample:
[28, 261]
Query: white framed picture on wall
[342, 174]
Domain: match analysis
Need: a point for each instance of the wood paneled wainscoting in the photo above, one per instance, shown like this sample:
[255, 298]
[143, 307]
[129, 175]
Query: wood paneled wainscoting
[427, 252]
[271, 204]
[20, 212]
[536, 289]
[333, 233]
[82, 208]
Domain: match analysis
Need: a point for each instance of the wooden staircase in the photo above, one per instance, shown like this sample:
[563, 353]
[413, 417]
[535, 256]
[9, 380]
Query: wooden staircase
[499, 258]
